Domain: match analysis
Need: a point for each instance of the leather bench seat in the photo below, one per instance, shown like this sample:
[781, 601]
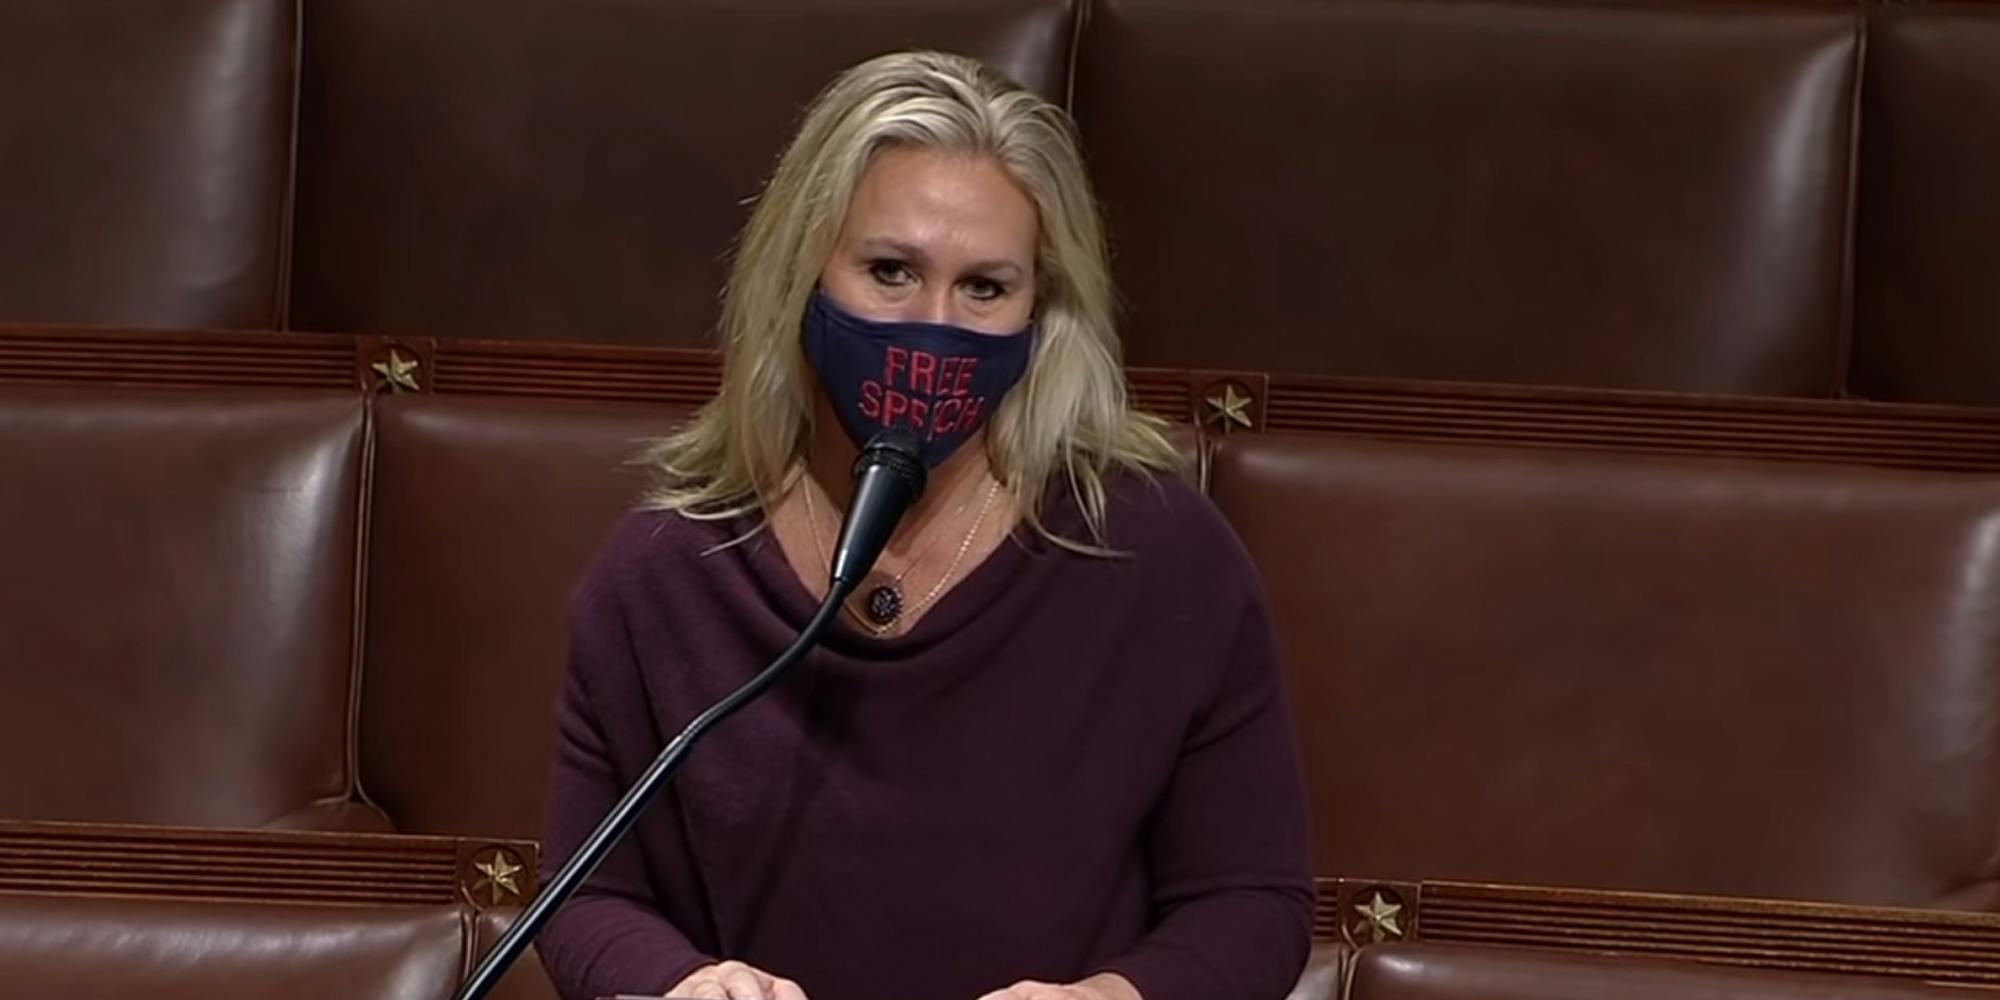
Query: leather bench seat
[484, 515]
[1604, 670]
[178, 607]
[1431, 972]
[90, 947]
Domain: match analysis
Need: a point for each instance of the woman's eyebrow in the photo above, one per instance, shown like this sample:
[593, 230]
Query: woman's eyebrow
[997, 267]
[885, 244]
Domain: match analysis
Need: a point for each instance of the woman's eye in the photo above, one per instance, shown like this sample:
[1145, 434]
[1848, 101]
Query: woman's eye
[889, 272]
[985, 289]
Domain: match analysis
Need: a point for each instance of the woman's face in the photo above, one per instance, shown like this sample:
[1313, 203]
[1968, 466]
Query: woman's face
[935, 237]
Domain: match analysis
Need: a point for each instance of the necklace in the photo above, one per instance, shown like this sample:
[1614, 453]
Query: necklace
[885, 604]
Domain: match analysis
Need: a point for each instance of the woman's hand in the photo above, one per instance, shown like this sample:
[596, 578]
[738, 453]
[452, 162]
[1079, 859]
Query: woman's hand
[1104, 986]
[735, 981]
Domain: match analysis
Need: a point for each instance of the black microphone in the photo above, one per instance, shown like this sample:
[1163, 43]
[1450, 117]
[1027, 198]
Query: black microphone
[889, 478]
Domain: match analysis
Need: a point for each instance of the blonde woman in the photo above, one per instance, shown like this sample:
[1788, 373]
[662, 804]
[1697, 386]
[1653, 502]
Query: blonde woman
[1045, 756]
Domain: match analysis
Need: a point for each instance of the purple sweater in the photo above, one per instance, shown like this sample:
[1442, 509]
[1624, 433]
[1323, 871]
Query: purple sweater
[1070, 765]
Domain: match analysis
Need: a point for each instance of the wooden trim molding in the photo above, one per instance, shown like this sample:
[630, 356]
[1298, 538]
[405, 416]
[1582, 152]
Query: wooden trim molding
[679, 376]
[1892, 435]
[180, 360]
[1931, 945]
[264, 866]
[1217, 403]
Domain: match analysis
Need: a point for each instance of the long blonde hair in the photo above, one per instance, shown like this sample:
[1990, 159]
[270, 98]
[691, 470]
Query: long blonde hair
[1070, 414]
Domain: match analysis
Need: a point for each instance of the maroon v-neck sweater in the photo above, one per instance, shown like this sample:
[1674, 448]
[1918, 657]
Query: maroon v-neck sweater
[1072, 764]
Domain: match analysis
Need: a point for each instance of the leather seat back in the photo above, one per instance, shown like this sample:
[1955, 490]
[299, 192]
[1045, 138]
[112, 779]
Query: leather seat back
[1608, 670]
[1432, 972]
[146, 160]
[486, 513]
[1640, 195]
[594, 197]
[80, 946]
[178, 609]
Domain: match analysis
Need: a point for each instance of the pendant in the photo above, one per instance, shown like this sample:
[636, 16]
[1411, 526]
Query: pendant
[885, 604]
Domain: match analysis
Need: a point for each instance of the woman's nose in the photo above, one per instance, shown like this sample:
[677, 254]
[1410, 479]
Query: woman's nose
[936, 305]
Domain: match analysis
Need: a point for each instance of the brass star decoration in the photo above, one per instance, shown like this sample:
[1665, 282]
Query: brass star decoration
[398, 371]
[498, 878]
[1230, 408]
[1378, 920]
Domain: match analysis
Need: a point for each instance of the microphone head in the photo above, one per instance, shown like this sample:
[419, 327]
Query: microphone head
[889, 477]
[897, 452]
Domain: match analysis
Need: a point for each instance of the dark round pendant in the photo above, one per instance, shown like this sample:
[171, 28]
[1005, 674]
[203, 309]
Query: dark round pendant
[885, 604]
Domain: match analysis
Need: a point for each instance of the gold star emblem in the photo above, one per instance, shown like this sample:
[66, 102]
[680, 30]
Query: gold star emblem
[1378, 921]
[1230, 407]
[398, 372]
[498, 878]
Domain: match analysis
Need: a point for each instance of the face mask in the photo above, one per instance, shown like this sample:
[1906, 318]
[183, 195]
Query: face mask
[943, 382]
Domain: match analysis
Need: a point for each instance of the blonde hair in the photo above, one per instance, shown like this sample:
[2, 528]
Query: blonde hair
[1070, 414]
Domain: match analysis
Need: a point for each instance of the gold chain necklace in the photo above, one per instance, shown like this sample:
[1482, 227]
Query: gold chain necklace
[885, 603]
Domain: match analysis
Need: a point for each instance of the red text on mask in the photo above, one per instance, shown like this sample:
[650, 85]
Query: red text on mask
[928, 392]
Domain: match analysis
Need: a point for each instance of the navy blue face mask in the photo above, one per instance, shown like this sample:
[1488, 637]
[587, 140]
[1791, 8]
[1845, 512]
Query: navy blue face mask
[943, 382]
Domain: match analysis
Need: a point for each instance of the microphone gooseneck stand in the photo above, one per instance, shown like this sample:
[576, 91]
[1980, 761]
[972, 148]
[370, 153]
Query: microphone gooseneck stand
[888, 480]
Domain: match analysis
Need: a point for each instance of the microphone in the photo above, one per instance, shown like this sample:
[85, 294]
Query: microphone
[889, 477]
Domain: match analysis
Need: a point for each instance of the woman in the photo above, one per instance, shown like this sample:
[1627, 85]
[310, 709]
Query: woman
[1045, 755]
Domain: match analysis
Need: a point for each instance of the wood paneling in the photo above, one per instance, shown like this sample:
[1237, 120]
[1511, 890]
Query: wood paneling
[1932, 945]
[261, 866]
[179, 360]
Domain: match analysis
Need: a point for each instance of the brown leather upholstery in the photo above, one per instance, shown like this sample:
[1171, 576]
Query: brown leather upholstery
[1431, 972]
[1604, 670]
[1928, 304]
[575, 170]
[485, 515]
[1616, 195]
[101, 948]
[145, 156]
[177, 614]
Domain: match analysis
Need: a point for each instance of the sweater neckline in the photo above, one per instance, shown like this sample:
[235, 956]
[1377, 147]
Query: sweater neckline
[976, 596]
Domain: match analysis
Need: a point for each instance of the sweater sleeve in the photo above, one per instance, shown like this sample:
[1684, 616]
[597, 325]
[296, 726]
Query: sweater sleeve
[611, 937]
[1232, 892]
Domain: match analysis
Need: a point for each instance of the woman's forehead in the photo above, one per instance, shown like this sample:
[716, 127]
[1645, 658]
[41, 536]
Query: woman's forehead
[917, 201]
